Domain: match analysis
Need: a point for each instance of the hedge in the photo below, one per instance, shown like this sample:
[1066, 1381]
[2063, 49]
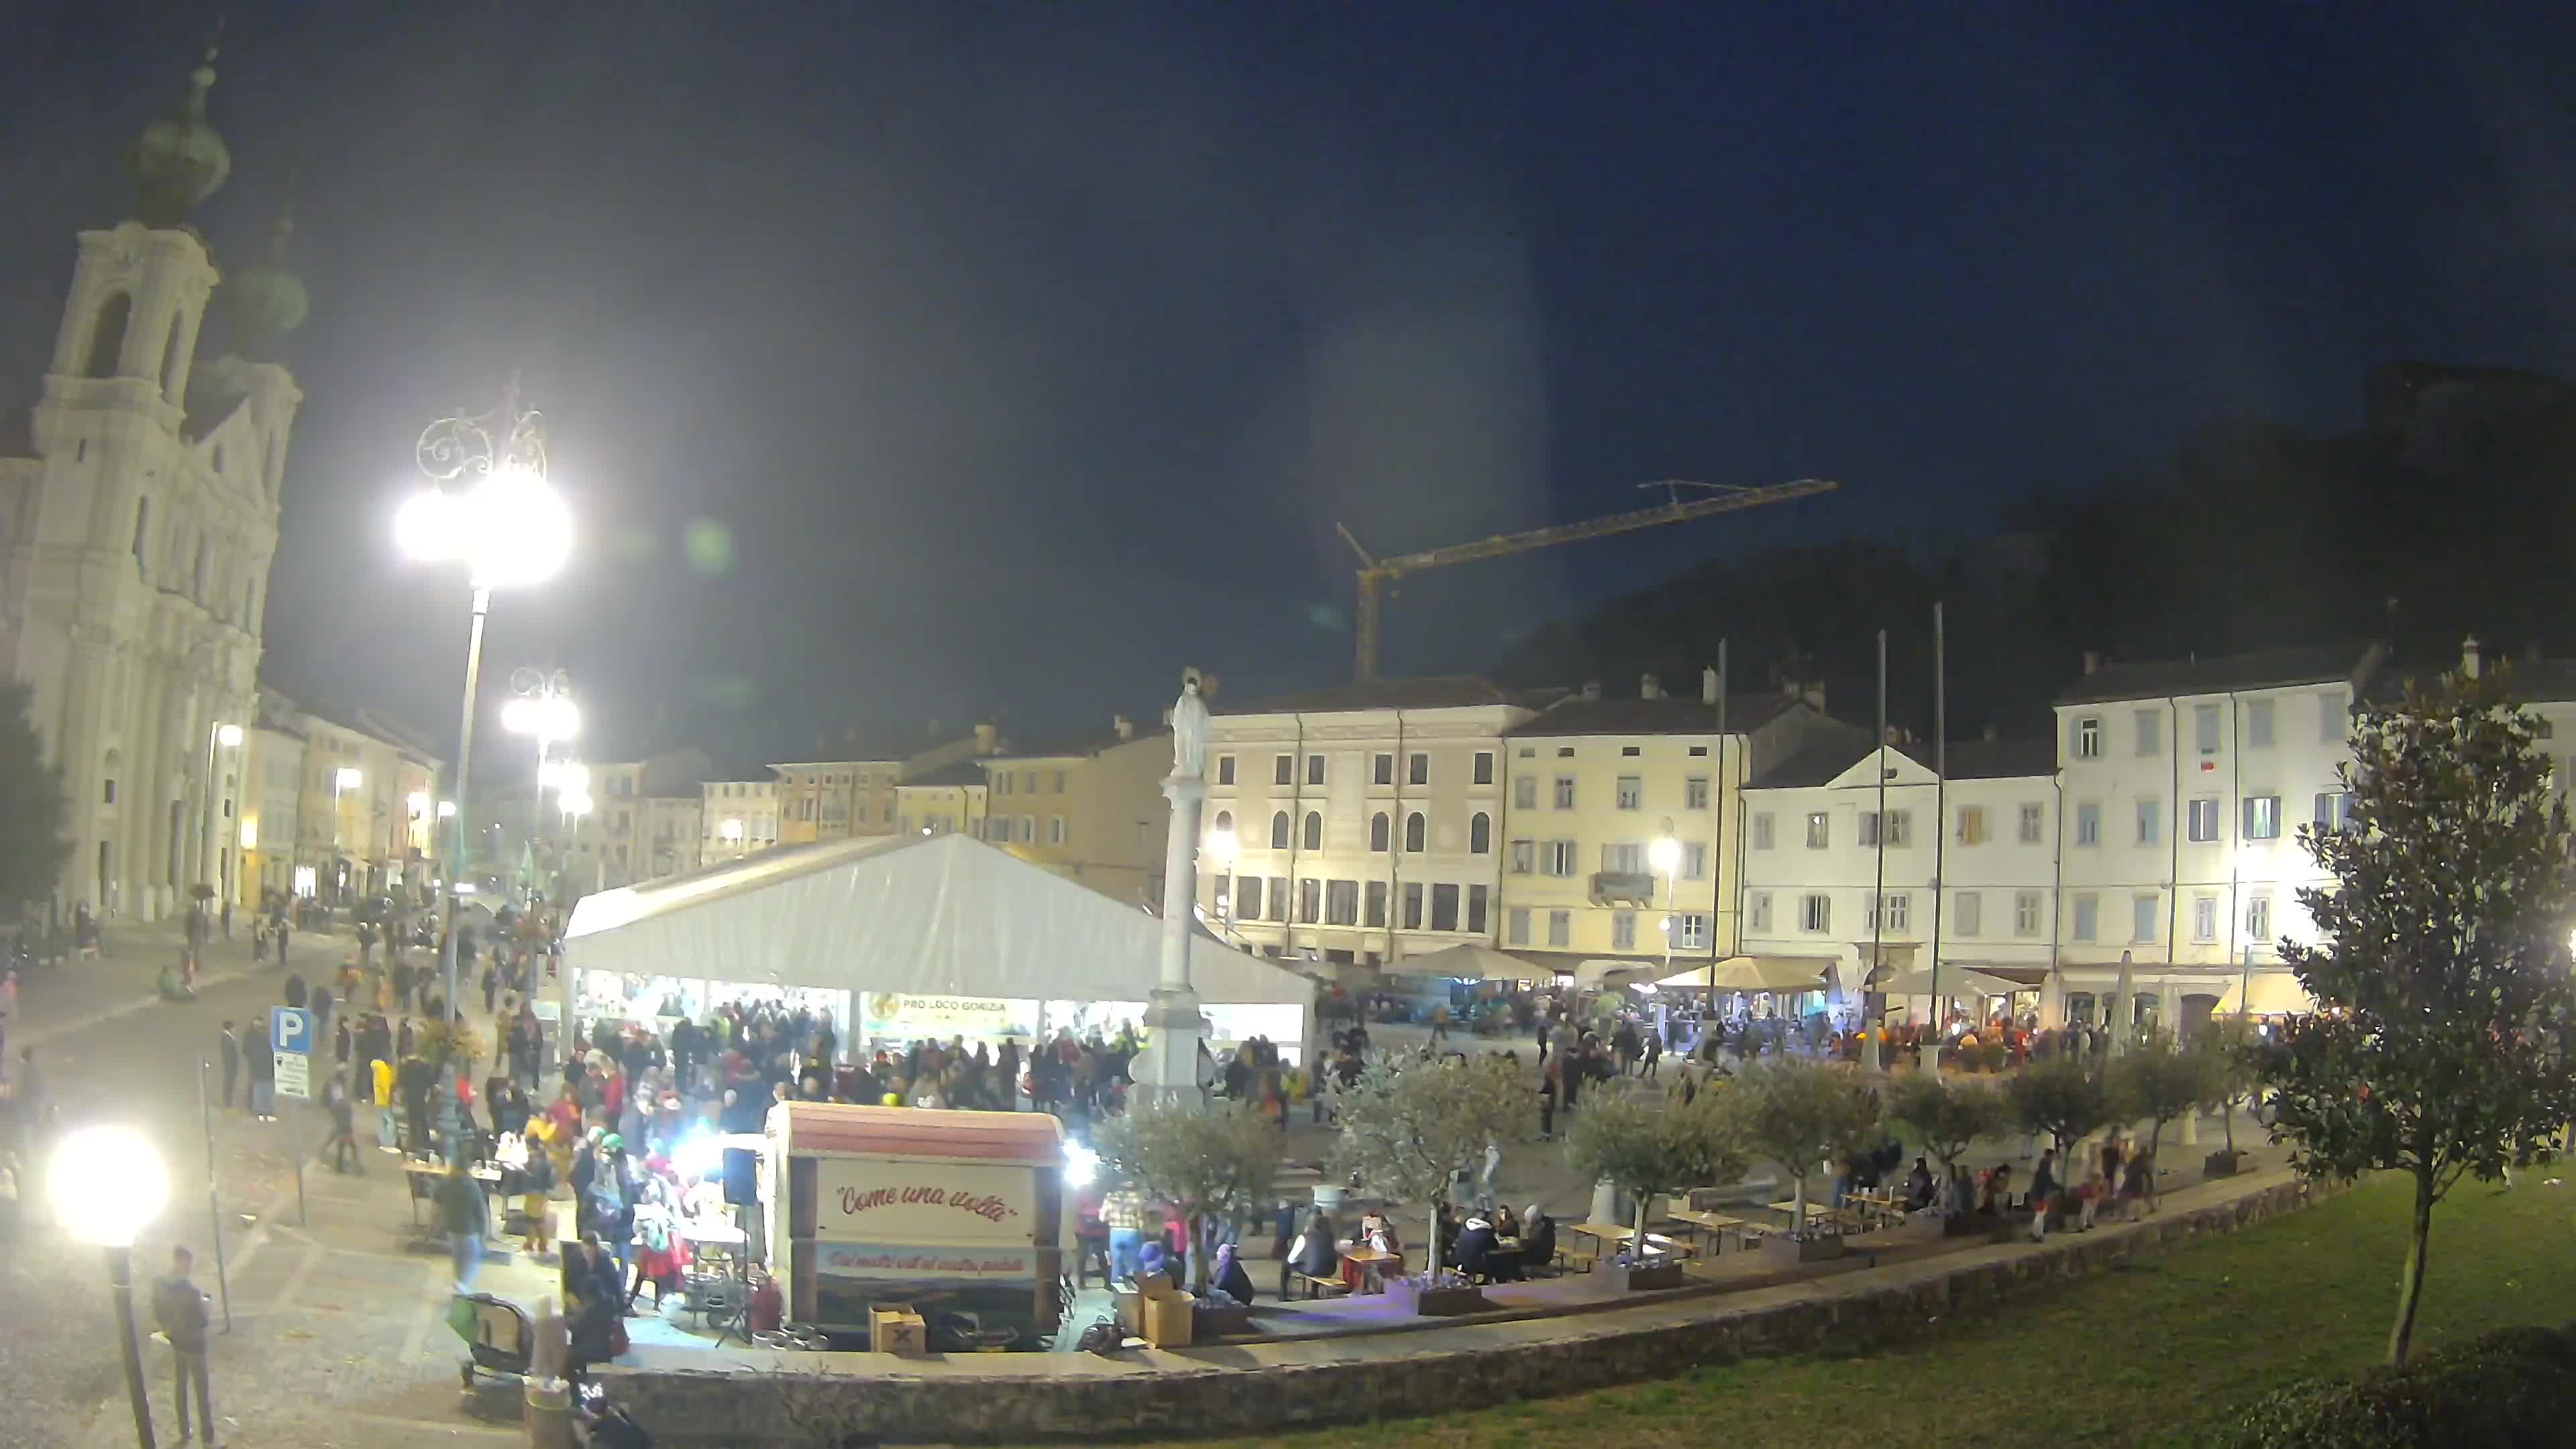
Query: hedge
[2514, 1387]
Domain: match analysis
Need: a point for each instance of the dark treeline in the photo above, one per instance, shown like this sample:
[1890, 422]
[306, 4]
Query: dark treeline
[2456, 499]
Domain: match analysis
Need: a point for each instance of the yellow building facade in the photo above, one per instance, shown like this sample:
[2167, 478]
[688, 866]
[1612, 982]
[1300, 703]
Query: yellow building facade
[1092, 811]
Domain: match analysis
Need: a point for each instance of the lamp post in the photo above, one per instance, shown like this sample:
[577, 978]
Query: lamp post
[573, 799]
[106, 1184]
[542, 709]
[1223, 845]
[507, 525]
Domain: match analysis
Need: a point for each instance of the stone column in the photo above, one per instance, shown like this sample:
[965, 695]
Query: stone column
[1172, 1021]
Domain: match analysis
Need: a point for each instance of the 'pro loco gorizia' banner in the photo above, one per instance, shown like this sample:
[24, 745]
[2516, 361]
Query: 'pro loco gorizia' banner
[886, 1014]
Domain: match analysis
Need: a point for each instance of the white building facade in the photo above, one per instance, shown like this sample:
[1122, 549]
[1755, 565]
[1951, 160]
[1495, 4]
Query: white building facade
[1865, 862]
[139, 530]
[2184, 787]
[1369, 818]
[737, 817]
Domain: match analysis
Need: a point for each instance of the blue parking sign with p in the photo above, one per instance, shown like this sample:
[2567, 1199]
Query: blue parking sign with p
[290, 1029]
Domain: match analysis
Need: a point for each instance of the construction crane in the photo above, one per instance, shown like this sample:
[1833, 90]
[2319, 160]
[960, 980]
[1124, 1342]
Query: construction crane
[1376, 573]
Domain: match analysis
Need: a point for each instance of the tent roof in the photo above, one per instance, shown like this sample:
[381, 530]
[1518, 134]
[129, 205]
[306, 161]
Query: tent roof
[941, 914]
[1467, 959]
[1762, 973]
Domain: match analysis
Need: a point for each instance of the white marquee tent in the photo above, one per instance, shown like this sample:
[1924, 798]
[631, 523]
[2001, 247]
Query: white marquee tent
[923, 916]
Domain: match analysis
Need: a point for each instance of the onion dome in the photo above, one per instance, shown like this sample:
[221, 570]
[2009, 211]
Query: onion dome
[178, 161]
[265, 300]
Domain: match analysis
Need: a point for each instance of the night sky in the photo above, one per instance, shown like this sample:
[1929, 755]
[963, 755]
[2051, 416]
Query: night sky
[946, 357]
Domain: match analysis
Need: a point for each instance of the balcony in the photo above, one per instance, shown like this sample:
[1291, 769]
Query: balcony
[1631, 887]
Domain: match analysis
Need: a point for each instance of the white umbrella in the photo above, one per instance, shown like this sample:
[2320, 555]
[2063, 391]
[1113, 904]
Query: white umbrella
[2120, 1013]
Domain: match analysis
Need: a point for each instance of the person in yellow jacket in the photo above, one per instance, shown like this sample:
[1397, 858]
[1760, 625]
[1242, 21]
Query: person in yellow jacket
[381, 1086]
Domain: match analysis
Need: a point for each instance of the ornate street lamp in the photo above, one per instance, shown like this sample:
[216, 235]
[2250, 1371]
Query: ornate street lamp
[490, 508]
[107, 1184]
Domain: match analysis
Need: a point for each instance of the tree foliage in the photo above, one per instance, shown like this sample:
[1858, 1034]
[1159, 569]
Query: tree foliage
[2441, 969]
[1201, 1161]
[1944, 1116]
[35, 847]
[2058, 1096]
[1802, 1115]
[1650, 1148]
[2160, 1081]
[1409, 1124]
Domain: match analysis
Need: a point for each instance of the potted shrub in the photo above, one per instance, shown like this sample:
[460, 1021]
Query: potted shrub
[1944, 1117]
[1409, 1125]
[1649, 1149]
[1802, 1116]
[1200, 1160]
[1436, 1295]
[2227, 1050]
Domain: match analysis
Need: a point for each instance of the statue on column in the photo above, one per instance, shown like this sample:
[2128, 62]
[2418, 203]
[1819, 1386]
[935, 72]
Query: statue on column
[1189, 730]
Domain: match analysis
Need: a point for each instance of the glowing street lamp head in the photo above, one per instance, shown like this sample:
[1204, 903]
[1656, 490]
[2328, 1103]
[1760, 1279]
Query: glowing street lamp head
[509, 529]
[446, 809]
[107, 1184]
[729, 830]
[574, 801]
[419, 804]
[548, 717]
[1665, 854]
[347, 778]
[229, 736]
[1223, 845]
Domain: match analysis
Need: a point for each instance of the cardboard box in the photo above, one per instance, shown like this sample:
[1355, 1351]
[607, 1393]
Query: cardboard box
[1170, 1322]
[898, 1331]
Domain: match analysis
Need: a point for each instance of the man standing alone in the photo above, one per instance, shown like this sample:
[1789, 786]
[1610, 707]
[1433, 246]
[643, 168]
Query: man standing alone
[232, 1063]
[179, 1308]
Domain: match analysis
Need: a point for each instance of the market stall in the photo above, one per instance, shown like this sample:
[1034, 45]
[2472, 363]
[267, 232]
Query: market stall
[910, 937]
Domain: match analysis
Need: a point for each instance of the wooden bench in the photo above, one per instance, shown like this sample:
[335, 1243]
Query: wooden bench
[1321, 1287]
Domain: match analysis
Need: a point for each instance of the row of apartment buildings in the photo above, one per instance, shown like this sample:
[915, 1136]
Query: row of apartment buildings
[1088, 807]
[325, 803]
[2158, 830]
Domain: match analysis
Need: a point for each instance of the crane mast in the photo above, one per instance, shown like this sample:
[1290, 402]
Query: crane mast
[1376, 573]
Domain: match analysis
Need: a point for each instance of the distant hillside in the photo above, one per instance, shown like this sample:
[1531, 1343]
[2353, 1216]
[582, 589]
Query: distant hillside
[2457, 497]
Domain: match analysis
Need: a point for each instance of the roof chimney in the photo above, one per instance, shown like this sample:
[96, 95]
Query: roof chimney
[1122, 726]
[986, 738]
[1708, 685]
[1650, 687]
[1592, 689]
[2092, 661]
[2469, 663]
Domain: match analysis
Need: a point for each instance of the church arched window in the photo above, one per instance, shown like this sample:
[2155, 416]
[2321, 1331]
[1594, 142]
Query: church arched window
[107, 338]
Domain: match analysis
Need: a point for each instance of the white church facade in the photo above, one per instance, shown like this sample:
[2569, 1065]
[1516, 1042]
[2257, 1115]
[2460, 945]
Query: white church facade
[136, 533]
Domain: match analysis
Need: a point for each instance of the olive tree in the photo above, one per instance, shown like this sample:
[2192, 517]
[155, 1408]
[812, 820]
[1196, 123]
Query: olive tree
[2061, 1097]
[1945, 1116]
[2158, 1081]
[2231, 1055]
[2440, 961]
[1649, 1148]
[1802, 1115]
[1409, 1123]
[1200, 1160]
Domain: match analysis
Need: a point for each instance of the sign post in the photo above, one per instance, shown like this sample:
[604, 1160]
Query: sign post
[290, 1037]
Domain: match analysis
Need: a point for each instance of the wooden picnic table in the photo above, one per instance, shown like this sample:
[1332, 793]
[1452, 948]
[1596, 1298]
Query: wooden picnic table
[1614, 1234]
[1716, 1225]
[1816, 1211]
[1372, 1266]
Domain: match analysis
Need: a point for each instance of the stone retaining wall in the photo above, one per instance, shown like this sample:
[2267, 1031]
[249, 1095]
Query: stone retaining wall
[1264, 1388]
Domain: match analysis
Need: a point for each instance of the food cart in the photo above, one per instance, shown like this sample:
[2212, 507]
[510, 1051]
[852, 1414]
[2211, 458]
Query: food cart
[957, 1216]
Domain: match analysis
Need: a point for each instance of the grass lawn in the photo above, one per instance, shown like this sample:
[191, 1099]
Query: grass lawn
[2156, 1353]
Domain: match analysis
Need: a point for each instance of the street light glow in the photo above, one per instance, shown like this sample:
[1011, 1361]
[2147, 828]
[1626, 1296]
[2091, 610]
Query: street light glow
[510, 528]
[1223, 845]
[446, 809]
[107, 1184]
[419, 803]
[1665, 854]
[729, 830]
[565, 777]
[347, 778]
[250, 832]
[574, 801]
[548, 717]
[229, 736]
